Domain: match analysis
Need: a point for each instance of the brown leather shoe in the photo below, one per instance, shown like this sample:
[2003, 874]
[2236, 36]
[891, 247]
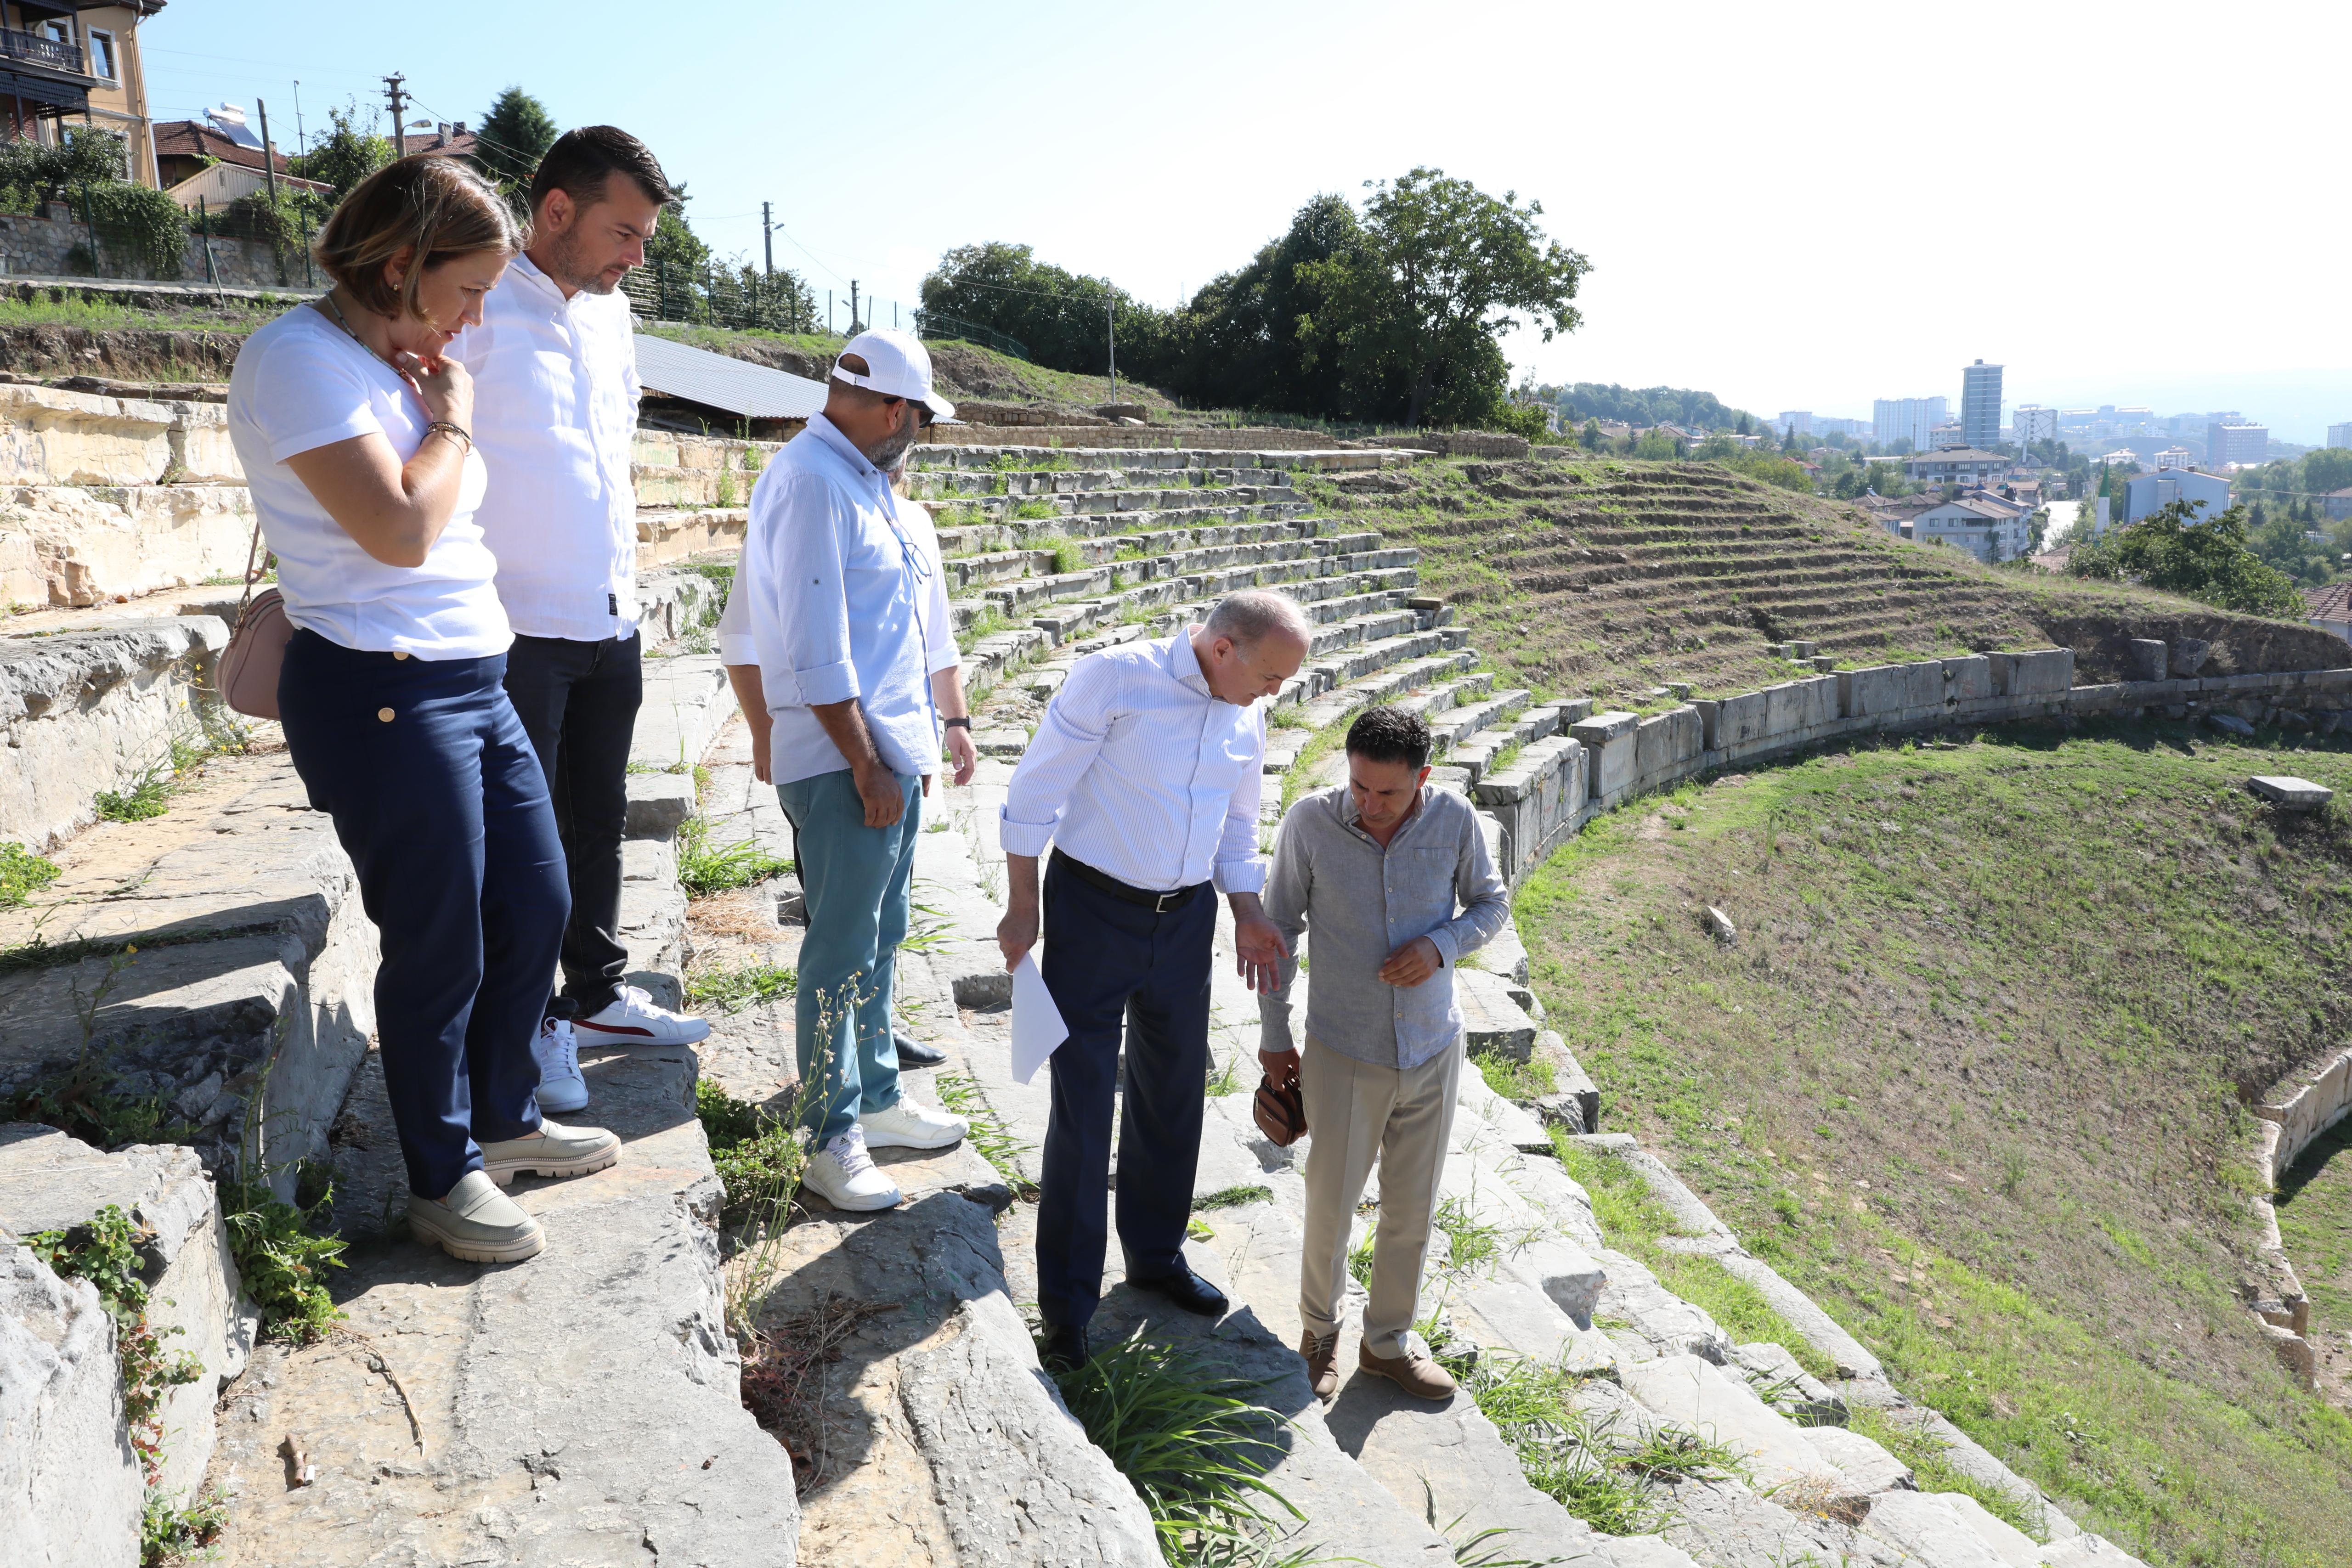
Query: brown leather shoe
[1413, 1372]
[1321, 1351]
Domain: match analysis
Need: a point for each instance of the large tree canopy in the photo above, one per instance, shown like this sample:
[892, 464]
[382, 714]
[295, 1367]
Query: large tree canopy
[1418, 309]
[345, 156]
[1247, 339]
[514, 135]
[1064, 319]
[2207, 560]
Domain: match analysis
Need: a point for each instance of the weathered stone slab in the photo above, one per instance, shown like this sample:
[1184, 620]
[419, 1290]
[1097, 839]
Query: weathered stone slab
[1608, 739]
[1702, 1398]
[1932, 1532]
[1666, 747]
[69, 545]
[2037, 672]
[658, 802]
[1883, 691]
[1493, 1022]
[2290, 793]
[50, 1181]
[69, 1485]
[2144, 659]
[2087, 1551]
[1865, 1465]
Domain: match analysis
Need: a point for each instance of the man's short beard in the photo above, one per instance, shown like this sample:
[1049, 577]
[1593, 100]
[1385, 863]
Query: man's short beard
[565, 256]
[884, 453]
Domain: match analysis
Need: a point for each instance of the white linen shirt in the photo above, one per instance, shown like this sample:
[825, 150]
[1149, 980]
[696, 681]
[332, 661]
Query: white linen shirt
[302, 382]
[1141, 773]
[843, 596]
[555, 415]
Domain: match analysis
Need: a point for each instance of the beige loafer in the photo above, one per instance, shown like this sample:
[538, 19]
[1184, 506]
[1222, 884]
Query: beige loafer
[477, 1222]
[553, 1151]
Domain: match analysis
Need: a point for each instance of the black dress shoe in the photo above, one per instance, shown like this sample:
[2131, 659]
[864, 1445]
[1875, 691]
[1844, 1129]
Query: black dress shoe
[1065, 1349]
[1188, 1290]
[913, 1052]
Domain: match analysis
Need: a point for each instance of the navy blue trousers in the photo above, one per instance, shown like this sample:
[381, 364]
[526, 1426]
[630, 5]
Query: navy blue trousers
[440, 802]
[1115, 968]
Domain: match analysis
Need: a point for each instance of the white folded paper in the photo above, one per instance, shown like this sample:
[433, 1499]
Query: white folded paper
[1037, 1026]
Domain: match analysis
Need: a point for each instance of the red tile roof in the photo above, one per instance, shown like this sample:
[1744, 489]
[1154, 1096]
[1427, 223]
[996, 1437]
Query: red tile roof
[2333, 602]
[194, 139]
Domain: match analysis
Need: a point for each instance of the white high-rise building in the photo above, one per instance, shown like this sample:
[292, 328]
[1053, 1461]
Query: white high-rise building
[1980, 406]
[2035, 422]
[1894, 419]
[2340, 434]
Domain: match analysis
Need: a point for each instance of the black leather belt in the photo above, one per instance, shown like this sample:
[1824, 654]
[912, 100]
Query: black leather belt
[1158, 903]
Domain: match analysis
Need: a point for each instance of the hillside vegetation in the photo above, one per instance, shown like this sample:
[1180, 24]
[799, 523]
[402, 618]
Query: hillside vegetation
[1973, 1076]
[1609, 577]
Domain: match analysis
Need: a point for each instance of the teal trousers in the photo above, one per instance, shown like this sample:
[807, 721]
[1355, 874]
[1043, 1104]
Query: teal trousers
[857, 881]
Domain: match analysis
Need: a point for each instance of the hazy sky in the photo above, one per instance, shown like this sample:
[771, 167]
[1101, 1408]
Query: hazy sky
[1790, 206]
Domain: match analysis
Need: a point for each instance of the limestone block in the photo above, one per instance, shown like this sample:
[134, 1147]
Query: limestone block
[1670, 1325]
[1794, 707]
[1702, 1398]
[1667, 746]
[2011, 1544]
[50, 1181]
[1493, 1022]
[658, 802]
[1931, 1532]
[1609, 742]
[2186, 658]
[2087, 1551]
[48, 437]
[687, 699]
[86, 711]
[1865, 1465]
[2041, 672]
[70, 1489]
[2289, 793]
[1967, 679]
[65, 545]
[2309, 1111]
[2144, 660]
[1884, 690]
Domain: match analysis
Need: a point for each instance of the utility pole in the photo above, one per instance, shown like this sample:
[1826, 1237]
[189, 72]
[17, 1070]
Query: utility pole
[391, 89]
[301, 144]
[1111, 333]
[768, 237]
[852, 307]
[270, 174]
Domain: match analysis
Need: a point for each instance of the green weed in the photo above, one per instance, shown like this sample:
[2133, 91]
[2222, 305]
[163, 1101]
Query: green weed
[741, 986]
[283, 1253]
[1517, 1081]
[22, 873]
[704, 868]
[1233, 1197]
[985, 1128]
[168, 1534]
[105, 1251]
[759, 1156]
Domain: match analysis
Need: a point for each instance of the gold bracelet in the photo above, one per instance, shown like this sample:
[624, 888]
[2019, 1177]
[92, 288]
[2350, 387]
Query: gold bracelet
[459, 431]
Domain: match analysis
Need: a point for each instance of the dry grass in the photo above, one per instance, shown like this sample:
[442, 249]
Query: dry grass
[783, 1377]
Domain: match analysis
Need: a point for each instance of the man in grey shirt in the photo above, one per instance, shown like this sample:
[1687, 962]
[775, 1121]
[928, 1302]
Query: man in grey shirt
[1373, 869]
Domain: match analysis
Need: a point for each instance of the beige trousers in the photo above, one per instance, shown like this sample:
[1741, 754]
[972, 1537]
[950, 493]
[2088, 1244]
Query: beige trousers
[1356, 1114]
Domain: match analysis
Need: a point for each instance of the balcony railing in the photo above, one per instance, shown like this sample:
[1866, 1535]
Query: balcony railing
[40, 50]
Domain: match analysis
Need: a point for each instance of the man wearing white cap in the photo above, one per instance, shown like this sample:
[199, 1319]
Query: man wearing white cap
[847, 612]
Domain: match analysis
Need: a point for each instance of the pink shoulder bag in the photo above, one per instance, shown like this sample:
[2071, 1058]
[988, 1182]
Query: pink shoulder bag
[256, 647]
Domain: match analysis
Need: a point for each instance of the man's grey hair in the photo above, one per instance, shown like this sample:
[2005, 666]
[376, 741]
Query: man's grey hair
[1248, 616]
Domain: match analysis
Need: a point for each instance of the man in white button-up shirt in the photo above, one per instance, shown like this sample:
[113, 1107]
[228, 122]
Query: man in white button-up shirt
[1145, 775]
[555, 383]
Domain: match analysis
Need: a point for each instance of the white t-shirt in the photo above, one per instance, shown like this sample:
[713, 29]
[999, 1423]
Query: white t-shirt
[303, 382]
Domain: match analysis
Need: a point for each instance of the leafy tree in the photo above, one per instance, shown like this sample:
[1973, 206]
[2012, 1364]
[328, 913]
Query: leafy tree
[2282, 539]
[1416, 310]
[345, 156]
[1656, 445]
[676, 248]
[2208, 561]
[2326, 470]
[1060, 316]
[89, 156]
[514, 135]
[1248, 339]
[1650, 405]
[1591, 439]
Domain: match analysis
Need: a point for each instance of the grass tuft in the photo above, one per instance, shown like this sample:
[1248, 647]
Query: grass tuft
[987, 1132]
[743, 986]
[705, 868]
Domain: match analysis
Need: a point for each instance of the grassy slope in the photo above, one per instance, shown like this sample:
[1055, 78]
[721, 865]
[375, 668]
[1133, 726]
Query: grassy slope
[1609, 577]
[963, 370]
[1972, 1078]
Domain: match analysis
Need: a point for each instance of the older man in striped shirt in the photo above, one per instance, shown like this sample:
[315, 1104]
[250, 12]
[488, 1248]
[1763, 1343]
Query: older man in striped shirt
[1145, 775]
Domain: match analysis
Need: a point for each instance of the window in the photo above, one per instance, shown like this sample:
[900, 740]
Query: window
[101, 54]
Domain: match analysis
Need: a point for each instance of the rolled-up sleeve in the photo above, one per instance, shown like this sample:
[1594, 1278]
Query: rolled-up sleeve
[1067, 741]
[810, 607]
[1287, 890]
[1485, 901]
[1239, 868]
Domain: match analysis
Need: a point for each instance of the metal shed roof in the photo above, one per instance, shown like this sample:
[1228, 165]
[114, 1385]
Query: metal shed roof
[736, 386]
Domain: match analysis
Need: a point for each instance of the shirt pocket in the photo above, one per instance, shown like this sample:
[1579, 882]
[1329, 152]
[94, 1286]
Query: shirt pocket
[1421, 891]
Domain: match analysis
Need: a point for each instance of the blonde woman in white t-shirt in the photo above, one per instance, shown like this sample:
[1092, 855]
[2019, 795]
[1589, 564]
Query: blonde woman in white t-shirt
[355, 434]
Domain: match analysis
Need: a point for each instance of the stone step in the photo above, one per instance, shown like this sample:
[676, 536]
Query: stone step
[933, 456]
[956, 484]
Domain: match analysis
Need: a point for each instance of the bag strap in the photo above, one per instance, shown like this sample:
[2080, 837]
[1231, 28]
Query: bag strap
[252, 553]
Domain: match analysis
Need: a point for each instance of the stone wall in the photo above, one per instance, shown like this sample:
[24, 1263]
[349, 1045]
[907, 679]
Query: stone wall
[1583, 763]
[45, 247]
[1457, 443]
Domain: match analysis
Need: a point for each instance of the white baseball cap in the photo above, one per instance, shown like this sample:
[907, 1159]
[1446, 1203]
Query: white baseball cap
[896, 365]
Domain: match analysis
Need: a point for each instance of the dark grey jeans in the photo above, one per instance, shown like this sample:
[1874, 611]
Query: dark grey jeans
[579, 703]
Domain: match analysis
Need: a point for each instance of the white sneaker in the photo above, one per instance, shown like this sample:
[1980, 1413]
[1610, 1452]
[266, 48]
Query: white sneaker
[633, 1019]
[908, 1125]
[843, 1174]
[561, 1087]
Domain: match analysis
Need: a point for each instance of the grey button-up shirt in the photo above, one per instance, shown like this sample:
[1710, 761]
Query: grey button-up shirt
[1363, 902]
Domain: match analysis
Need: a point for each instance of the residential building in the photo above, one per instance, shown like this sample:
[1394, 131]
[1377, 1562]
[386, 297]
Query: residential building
[1907, 419]
[2147, 493]
[68, 60]
[1800, 419]
[2340, 434]
[2235, 440]
[2174, 458]
[2337, 503]
[1948, 435]
[1954, 466]
[1825, 425]
[2035, 423]
[1985, 525]
[1980, 406]
[2330, 608]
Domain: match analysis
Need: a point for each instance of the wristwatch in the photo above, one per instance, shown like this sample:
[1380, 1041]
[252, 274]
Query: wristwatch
[957, 723]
